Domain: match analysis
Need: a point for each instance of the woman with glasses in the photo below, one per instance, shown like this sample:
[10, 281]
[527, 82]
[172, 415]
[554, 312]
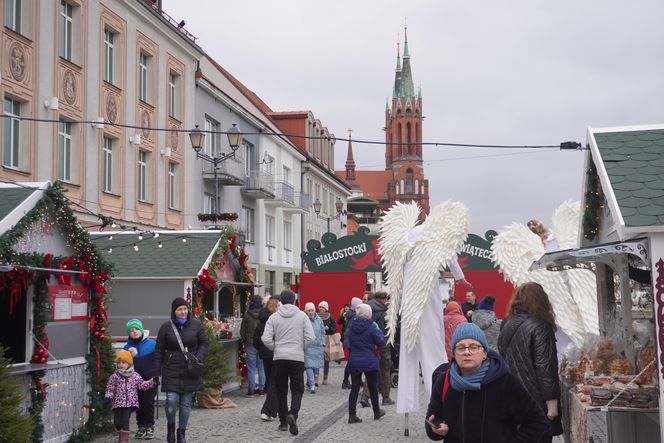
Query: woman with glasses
[475, 398]
[528, 344]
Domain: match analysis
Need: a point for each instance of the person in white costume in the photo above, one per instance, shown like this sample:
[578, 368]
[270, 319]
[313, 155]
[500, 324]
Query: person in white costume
[413, 257]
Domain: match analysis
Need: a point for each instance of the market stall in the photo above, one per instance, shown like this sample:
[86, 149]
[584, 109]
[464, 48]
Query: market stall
[53, 303]
[614, 383]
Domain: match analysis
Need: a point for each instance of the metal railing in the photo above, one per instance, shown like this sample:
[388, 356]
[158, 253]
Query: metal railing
[260, 181]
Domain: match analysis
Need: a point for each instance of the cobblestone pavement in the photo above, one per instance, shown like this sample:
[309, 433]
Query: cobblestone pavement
[323, 418]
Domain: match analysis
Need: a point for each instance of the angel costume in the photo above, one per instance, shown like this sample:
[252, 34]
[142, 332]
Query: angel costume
[413, 256]
[572, 293]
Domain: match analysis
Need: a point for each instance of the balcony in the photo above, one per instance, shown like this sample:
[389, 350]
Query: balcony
[229, 172]
[286, 198]
[259, 185]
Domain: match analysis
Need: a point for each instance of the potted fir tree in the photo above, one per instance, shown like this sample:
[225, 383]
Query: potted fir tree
[216, 371]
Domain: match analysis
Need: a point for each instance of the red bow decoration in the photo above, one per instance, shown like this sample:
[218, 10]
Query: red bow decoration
[99, 280]
[207, 281]
[66, 264]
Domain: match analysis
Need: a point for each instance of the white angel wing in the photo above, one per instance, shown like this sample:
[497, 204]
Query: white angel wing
[514, 250]
[566, 220]
[583, 285]
[444, 232]
[393, 247]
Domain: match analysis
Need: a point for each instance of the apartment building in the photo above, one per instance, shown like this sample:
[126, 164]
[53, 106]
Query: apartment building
[260, 182]
[99, 95]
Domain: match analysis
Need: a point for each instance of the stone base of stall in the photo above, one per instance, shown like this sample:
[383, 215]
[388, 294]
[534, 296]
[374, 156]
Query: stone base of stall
[592, 424]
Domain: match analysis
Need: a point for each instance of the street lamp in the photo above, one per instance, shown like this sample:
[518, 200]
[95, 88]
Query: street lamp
[197, 138]
[338, 205]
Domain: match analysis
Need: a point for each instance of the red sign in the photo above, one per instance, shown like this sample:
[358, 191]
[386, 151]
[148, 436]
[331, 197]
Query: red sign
[68, 303]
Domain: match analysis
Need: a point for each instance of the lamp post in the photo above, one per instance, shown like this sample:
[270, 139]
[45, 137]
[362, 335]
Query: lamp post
[197, 138]
[338, 205]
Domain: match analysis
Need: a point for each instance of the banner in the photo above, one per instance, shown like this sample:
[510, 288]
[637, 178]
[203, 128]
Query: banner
[351, 253]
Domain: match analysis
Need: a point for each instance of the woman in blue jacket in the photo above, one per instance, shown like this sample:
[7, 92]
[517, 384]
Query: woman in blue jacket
[363, 337]
[314, 355]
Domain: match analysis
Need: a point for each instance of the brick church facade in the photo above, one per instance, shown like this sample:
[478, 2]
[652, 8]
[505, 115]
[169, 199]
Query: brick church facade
[403, 178]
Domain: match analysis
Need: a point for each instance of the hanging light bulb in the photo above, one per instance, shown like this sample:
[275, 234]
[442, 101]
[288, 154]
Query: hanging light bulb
[110, 250]
[140, 236]
[184, 240]
[110, 237]
[135, 247]
[113, 225]
[159, 245]
[156, 234]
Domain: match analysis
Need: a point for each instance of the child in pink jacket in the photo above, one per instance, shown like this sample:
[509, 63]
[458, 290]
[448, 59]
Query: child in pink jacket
[122, 390]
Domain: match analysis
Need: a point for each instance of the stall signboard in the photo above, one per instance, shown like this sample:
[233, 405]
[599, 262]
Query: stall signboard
[351, 253]
[68, 303]
[475, 254]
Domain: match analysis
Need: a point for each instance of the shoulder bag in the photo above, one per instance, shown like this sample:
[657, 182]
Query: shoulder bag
[194, 365]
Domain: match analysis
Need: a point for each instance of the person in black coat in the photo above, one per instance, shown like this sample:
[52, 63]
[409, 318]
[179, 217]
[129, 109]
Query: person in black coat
[271, 404]
[177, 383]
[528, 344]
[474, 398]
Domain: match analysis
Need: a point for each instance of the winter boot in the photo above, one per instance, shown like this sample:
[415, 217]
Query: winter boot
[325, 379]
[123, 436]
[181, 438]
[378, 414]
[170, 436]
[353, 418]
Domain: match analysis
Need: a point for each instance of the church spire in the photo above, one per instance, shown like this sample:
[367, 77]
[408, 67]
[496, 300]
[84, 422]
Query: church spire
[397, 75]
[406, 87]
[350, 163]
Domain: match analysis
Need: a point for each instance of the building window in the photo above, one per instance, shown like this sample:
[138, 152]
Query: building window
[108, 164]
[143, 77]
[11, 133]
[208, 204]
[287, 175]
[270, 237]
[409, 182]
[270, 277]
[248, 152]
[211, 147]
[143, 175]
[66, 29]
[13, 15]
[288, 279]
[172, 185]
[248, 224]
[288, 236]
[64, 151]
[173, 80]
[109, 48]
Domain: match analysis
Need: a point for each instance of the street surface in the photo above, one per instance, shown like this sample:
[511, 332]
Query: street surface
[323, 418]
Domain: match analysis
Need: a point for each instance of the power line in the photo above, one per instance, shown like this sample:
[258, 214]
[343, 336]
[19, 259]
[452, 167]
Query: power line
[563, 145]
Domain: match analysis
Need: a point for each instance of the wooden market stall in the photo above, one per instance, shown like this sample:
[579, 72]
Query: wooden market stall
[53, 312]
[614, 385]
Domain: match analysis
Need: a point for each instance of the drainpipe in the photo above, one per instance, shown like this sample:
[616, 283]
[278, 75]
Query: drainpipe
[304, 168]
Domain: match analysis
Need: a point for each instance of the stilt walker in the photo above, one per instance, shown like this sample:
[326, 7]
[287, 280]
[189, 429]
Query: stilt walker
[413, 257]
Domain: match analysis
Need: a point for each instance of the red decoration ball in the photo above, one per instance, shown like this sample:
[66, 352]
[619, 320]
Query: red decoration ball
[102, 336]
[200, 292]
[43, 359]
[229, 335]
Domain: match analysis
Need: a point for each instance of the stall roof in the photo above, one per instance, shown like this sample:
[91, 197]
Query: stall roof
[630, 165]
[174, 260]
[582, 257]
[16, 200]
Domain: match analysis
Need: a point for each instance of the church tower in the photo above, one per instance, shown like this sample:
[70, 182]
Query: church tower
[403, 137]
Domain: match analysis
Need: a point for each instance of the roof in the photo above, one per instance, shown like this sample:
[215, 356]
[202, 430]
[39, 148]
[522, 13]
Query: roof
[175, 259]
[372, 183]
[16, 200]
[630, 164]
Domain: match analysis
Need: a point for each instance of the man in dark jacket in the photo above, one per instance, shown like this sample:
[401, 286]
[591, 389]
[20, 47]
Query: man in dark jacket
[171, 363]
[379, 309]
[470, 305]
[249, 322]
[271, 404]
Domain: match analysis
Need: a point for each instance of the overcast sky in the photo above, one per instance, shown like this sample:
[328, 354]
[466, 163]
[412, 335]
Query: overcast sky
[515, 72]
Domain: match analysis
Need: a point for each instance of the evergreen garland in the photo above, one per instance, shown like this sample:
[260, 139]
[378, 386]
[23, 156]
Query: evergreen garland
[14, 424]
[100, 354]
[593, 204]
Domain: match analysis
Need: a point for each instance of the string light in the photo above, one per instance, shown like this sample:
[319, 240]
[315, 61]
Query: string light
[184, 240]
[140, 236]
[159, 245]
[135, 247]
[110, 250]
[156, 234]
[110, 237]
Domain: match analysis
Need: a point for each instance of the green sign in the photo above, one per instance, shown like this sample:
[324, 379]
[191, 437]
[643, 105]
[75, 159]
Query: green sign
[475, 254]
[351, 253]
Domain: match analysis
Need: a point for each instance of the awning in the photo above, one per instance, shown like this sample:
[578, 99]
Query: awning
[583, 257]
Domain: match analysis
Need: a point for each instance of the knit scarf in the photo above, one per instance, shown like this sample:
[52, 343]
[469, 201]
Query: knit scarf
[472, 382]
[324, 316]
[126, 372]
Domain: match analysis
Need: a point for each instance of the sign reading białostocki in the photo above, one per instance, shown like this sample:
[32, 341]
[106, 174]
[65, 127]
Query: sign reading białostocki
[351, 253]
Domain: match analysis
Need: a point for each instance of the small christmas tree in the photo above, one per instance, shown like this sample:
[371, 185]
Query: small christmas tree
[15, 425]
[217, 369]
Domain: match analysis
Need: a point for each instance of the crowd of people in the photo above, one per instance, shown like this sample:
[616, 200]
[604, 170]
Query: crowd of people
[500, 382]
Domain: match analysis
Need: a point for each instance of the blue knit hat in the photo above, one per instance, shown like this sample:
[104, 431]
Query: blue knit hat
[469, 330]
